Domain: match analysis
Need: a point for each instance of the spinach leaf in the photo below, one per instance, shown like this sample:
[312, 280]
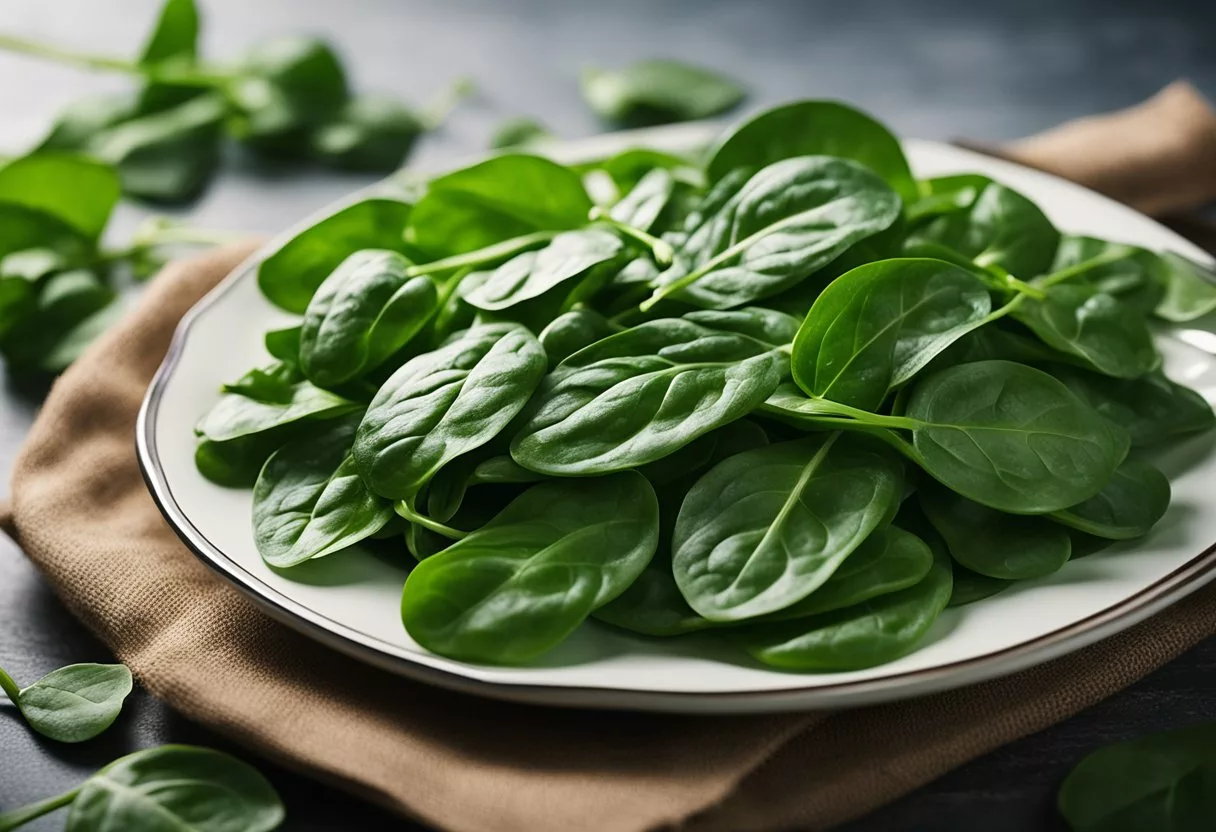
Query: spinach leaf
[79, 191]
[237, 462]
[875, 327]
[1187, 294]
[814, 128]
[445, 493]
[1011, 437]
[642, 206]
[74, 703]
[274, 384]
[1162, 781]
[659, 92]
[284, 344]
[887, 561]
[868, 634]
[64, 301]
[172, 44]
[1128, 506]
[283, 88]
[629, 167]
[1134, 275]
[1108, 335]
[970, 587]
[993, 543]
[523, 582]
[998, 227]
[503, 197]
[235, 416]
[1150, 408]
[291, 275]
[445, 403]
[364, 312]
[529, 275]
[785, 222]
[641, 394]
[86, 117]
[514, 132]
[653, 605]
[370, 133]
[571, 331]
[766, 528]
[309, 500]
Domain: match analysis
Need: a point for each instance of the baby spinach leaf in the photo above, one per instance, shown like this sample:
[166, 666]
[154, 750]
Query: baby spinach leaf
[533, 273]
[176, 787]
[523, 582]
[999, 227]
[365, 311]
[1162, 781]
[309, 500]
[703, 453]
[74, 703]
[64, 301]
[993, 543]
[785, 222]
[1108, 335]
[1128, 506]
[642, 206]
[284, 344]
[291, 275]
[571, 331]
[1187, 294]
[274, 384]
[887, 561]
[814, 128]
[75, 189]
[653, 605]
[1136, 276]
[629, 167]
[766, 528]
[503, 197]
[87, 116]
[445, 493]
[1011, 437]
[970, 587]
[237, 462]
[445, 403]
[875, 632]
[284, 87]
[172, 43]
[1150, 408]
[875, 327]
[168, 155]
[641, 394]
[515, 132]
[235, 416]
[659, 92]
[371, 133]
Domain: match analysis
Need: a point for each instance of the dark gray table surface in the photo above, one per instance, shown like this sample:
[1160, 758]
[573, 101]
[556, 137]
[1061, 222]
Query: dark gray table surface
[930, 68]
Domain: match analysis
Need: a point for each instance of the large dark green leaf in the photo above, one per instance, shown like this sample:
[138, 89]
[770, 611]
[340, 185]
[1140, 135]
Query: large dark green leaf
[1012, 437]
[766, 528]
[1128, 506]
[445, 403]
[284, 87]
[371, 133]
[291, 275]
[365, 311]
[637, 396]
[523, 582]
[785, 222]
[814, 128]
[875, 327]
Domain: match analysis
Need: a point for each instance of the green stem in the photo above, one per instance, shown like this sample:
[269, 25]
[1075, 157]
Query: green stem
[20, 817]
[661, 250]
[865, 417]
[482, 256]
[436, 111]
[1110, 256]
[1023, 288]
[403, 508]
[106, 63]
[9, 687]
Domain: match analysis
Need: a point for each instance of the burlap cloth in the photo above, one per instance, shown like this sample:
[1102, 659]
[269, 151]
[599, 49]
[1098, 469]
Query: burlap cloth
[83, 515]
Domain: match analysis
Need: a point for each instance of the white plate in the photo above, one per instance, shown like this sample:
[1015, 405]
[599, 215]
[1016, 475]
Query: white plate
[350, 601]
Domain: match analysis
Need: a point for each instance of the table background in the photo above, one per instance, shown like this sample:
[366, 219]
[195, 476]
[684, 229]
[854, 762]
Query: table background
[936, 69]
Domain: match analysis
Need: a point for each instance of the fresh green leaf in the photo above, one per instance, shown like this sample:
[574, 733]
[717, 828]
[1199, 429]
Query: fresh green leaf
[445, 403]
[74, 703]
[875, 327]
[283, 88]
[785, 222]
[364, 312]
[1128, 506]
[291, 275]
[235, 416]
[766, 528]
[85, 117]
[273, 384]
[572, 331]
[1187, 294]
[514, 132]
[65, 300]
[1137, 278]
[637, 396]
[284, 344]
[77, 190]
[371, 133]
[529, 275]
[814, 128]
[659, 92]
[992, 543]
[172, 44]
[523, 582]
[642, 206]
[970, 587]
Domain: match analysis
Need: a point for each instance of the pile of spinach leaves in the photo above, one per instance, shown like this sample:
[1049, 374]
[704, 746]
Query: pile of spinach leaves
[781, 391]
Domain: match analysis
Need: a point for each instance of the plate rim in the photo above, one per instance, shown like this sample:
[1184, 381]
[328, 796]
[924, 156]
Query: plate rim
[1077, 635]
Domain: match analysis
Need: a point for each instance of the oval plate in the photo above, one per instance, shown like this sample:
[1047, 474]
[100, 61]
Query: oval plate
[350, 602]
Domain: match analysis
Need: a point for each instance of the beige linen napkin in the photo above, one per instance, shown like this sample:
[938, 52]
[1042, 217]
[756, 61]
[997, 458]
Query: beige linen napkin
[83, 515]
